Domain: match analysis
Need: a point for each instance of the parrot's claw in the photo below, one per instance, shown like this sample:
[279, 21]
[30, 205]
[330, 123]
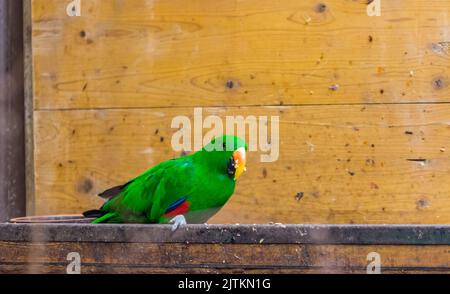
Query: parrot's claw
[177, 221]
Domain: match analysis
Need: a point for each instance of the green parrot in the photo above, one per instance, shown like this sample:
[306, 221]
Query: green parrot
[189, 189]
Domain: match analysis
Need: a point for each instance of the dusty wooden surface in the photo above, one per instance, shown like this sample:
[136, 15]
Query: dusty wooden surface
[234, 234]
[12, 137]
[202, 249]
[362, 102]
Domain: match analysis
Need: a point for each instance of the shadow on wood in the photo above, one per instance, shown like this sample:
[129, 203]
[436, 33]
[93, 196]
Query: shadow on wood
[12, 130]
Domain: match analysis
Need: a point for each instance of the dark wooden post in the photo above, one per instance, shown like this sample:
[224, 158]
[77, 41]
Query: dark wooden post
[12, 130]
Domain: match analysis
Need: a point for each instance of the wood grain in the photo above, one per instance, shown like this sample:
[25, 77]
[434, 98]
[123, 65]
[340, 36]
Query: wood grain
[221, 53]
[353, 164]
[219, 258]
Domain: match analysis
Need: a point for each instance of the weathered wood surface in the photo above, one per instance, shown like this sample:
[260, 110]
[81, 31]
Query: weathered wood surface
[12, 137]
[363, 102]
[234, 234]
[351, 162]
[201, 249]
[219, 258]
[172, 53]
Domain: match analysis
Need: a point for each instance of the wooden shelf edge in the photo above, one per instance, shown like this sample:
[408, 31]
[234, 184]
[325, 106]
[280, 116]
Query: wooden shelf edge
[230, 234]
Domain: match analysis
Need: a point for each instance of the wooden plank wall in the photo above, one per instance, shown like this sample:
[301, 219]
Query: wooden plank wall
[363, 101]
[12, 137]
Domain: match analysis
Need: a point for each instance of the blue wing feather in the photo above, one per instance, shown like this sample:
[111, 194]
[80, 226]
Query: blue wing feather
[177, 203]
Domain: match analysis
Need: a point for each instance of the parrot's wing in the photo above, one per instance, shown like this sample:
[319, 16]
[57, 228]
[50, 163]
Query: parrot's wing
[172, 195]
[148, 196]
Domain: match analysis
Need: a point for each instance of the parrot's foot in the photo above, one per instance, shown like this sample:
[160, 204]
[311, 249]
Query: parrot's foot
[178, 221]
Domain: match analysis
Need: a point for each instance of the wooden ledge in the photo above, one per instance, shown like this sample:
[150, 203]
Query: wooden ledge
[44, 248]
[230, 234]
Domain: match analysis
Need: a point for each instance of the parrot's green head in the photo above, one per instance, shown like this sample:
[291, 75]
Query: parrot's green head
[228, 153]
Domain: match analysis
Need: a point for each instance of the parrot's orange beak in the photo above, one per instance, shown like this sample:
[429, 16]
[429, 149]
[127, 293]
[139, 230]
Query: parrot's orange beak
[239, 157]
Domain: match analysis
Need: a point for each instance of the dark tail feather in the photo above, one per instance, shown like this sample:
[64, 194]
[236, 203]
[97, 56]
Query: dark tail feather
[110, 193]
[94, 213]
